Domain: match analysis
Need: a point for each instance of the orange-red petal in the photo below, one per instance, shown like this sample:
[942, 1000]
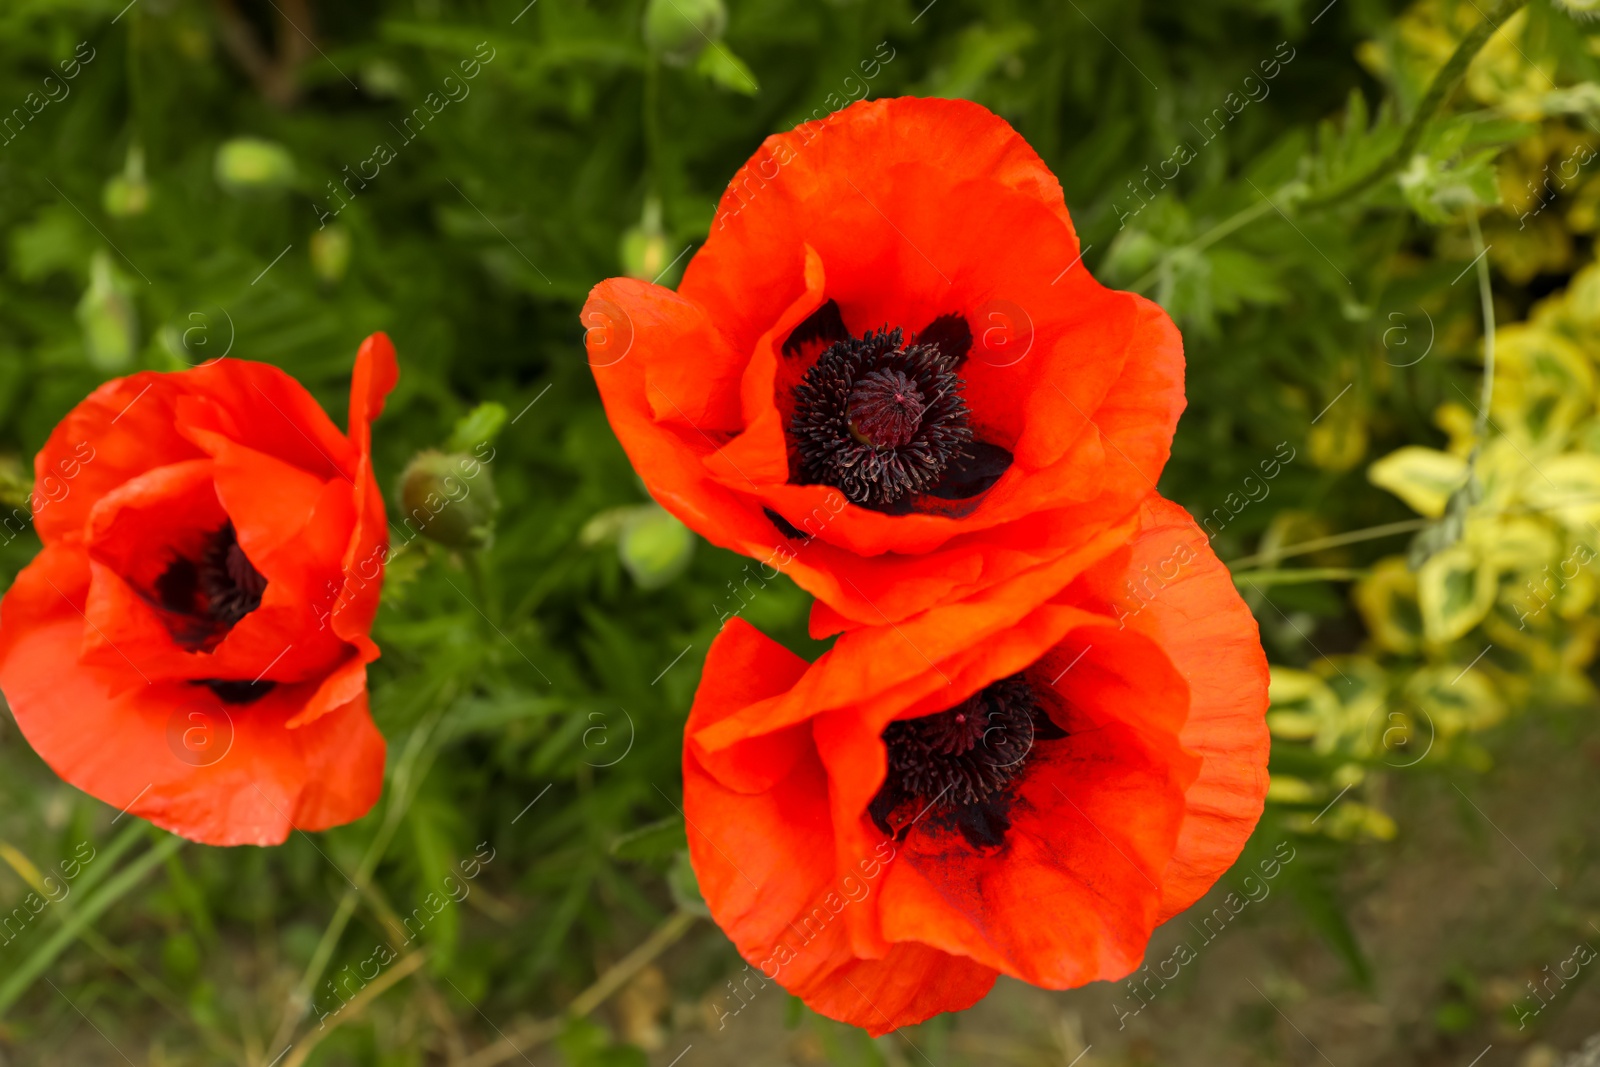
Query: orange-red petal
[1082, 385]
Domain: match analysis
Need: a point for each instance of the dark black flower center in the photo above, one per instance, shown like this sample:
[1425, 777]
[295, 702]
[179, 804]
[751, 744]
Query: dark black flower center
[204, 598]
[879, 419]
[956, 768]
[237, 691]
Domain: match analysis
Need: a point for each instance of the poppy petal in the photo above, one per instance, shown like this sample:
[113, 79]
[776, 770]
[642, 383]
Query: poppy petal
[191, 643]
[1211, 637]
[268, 779]
[821, 160]
[1077, 387]
[908, 986]
[122, 429]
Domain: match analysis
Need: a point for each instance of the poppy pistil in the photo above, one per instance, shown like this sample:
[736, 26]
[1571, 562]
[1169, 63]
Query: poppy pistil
[879, 419]
[205, 597]
[958, 766]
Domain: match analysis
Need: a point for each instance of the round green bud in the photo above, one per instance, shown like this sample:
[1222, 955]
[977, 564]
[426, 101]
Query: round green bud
[250, 164]
[122, 197]
[679, 30]
[330, 253]
[448, 497]
[108, 318]
[644, 254]
[654, 547]
[16, 486]
[128, 193]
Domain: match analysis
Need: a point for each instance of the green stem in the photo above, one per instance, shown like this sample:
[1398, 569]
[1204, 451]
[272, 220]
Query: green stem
[18, 981]
[1369, 534]
[1486, 299]
[401, 790]
[1206, 240]
[105, 861]
[652, 126]
[1444, 83]
[1292, 576]
[472, 560]
[156, 990]
[539, 1031]
[542, 586]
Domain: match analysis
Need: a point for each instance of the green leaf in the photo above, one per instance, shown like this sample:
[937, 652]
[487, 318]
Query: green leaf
[722, 68]
[685, 886]
[1455, 590]
[1239, 278]
[125, 881]
[981, 51]
[1423, 477]
[585, 1043]
[477, 427]
[653, 841]
[1440, 190]
[1567, 488]
[1312, 881]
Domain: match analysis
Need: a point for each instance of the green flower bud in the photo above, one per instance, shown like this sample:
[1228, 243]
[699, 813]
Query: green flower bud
[644, 254]
[16, 487]
[330, 254]
[448, 497]
[122, 198]
[382, 79]
[654, 547]
[249, 165]
[644, 247]
[108, 318]
[128, 193]
[678, 30]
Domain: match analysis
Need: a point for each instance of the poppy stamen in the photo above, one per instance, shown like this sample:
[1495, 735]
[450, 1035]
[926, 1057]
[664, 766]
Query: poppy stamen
[958, 766]
[879, 419]
[205, 597]
[230, 582]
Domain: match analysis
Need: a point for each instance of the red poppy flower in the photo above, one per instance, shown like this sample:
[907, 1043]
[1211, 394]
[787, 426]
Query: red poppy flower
[886, 371]
[990, 787]
[192, 643]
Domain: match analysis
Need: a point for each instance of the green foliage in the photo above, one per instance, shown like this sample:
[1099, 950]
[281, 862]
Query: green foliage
[216, 183]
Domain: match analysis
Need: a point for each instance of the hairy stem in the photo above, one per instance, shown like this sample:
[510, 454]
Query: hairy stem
[1486, 299]
[1444, 83]
[1204, 241]
[1371, 533]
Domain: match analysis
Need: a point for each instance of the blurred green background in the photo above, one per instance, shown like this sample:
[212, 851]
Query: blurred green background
[181, 180]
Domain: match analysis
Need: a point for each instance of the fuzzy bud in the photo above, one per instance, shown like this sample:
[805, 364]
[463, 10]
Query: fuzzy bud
[330, 254]
[251, 165]
[678, 30]
[448, 497]
[108, 318]
[654, 547]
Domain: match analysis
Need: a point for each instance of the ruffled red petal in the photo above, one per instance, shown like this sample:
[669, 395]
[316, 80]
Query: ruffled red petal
[760, 849]
[169, 751]
[1205, 628]
[1133, 815]
[145, 471]
[1082, 385]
